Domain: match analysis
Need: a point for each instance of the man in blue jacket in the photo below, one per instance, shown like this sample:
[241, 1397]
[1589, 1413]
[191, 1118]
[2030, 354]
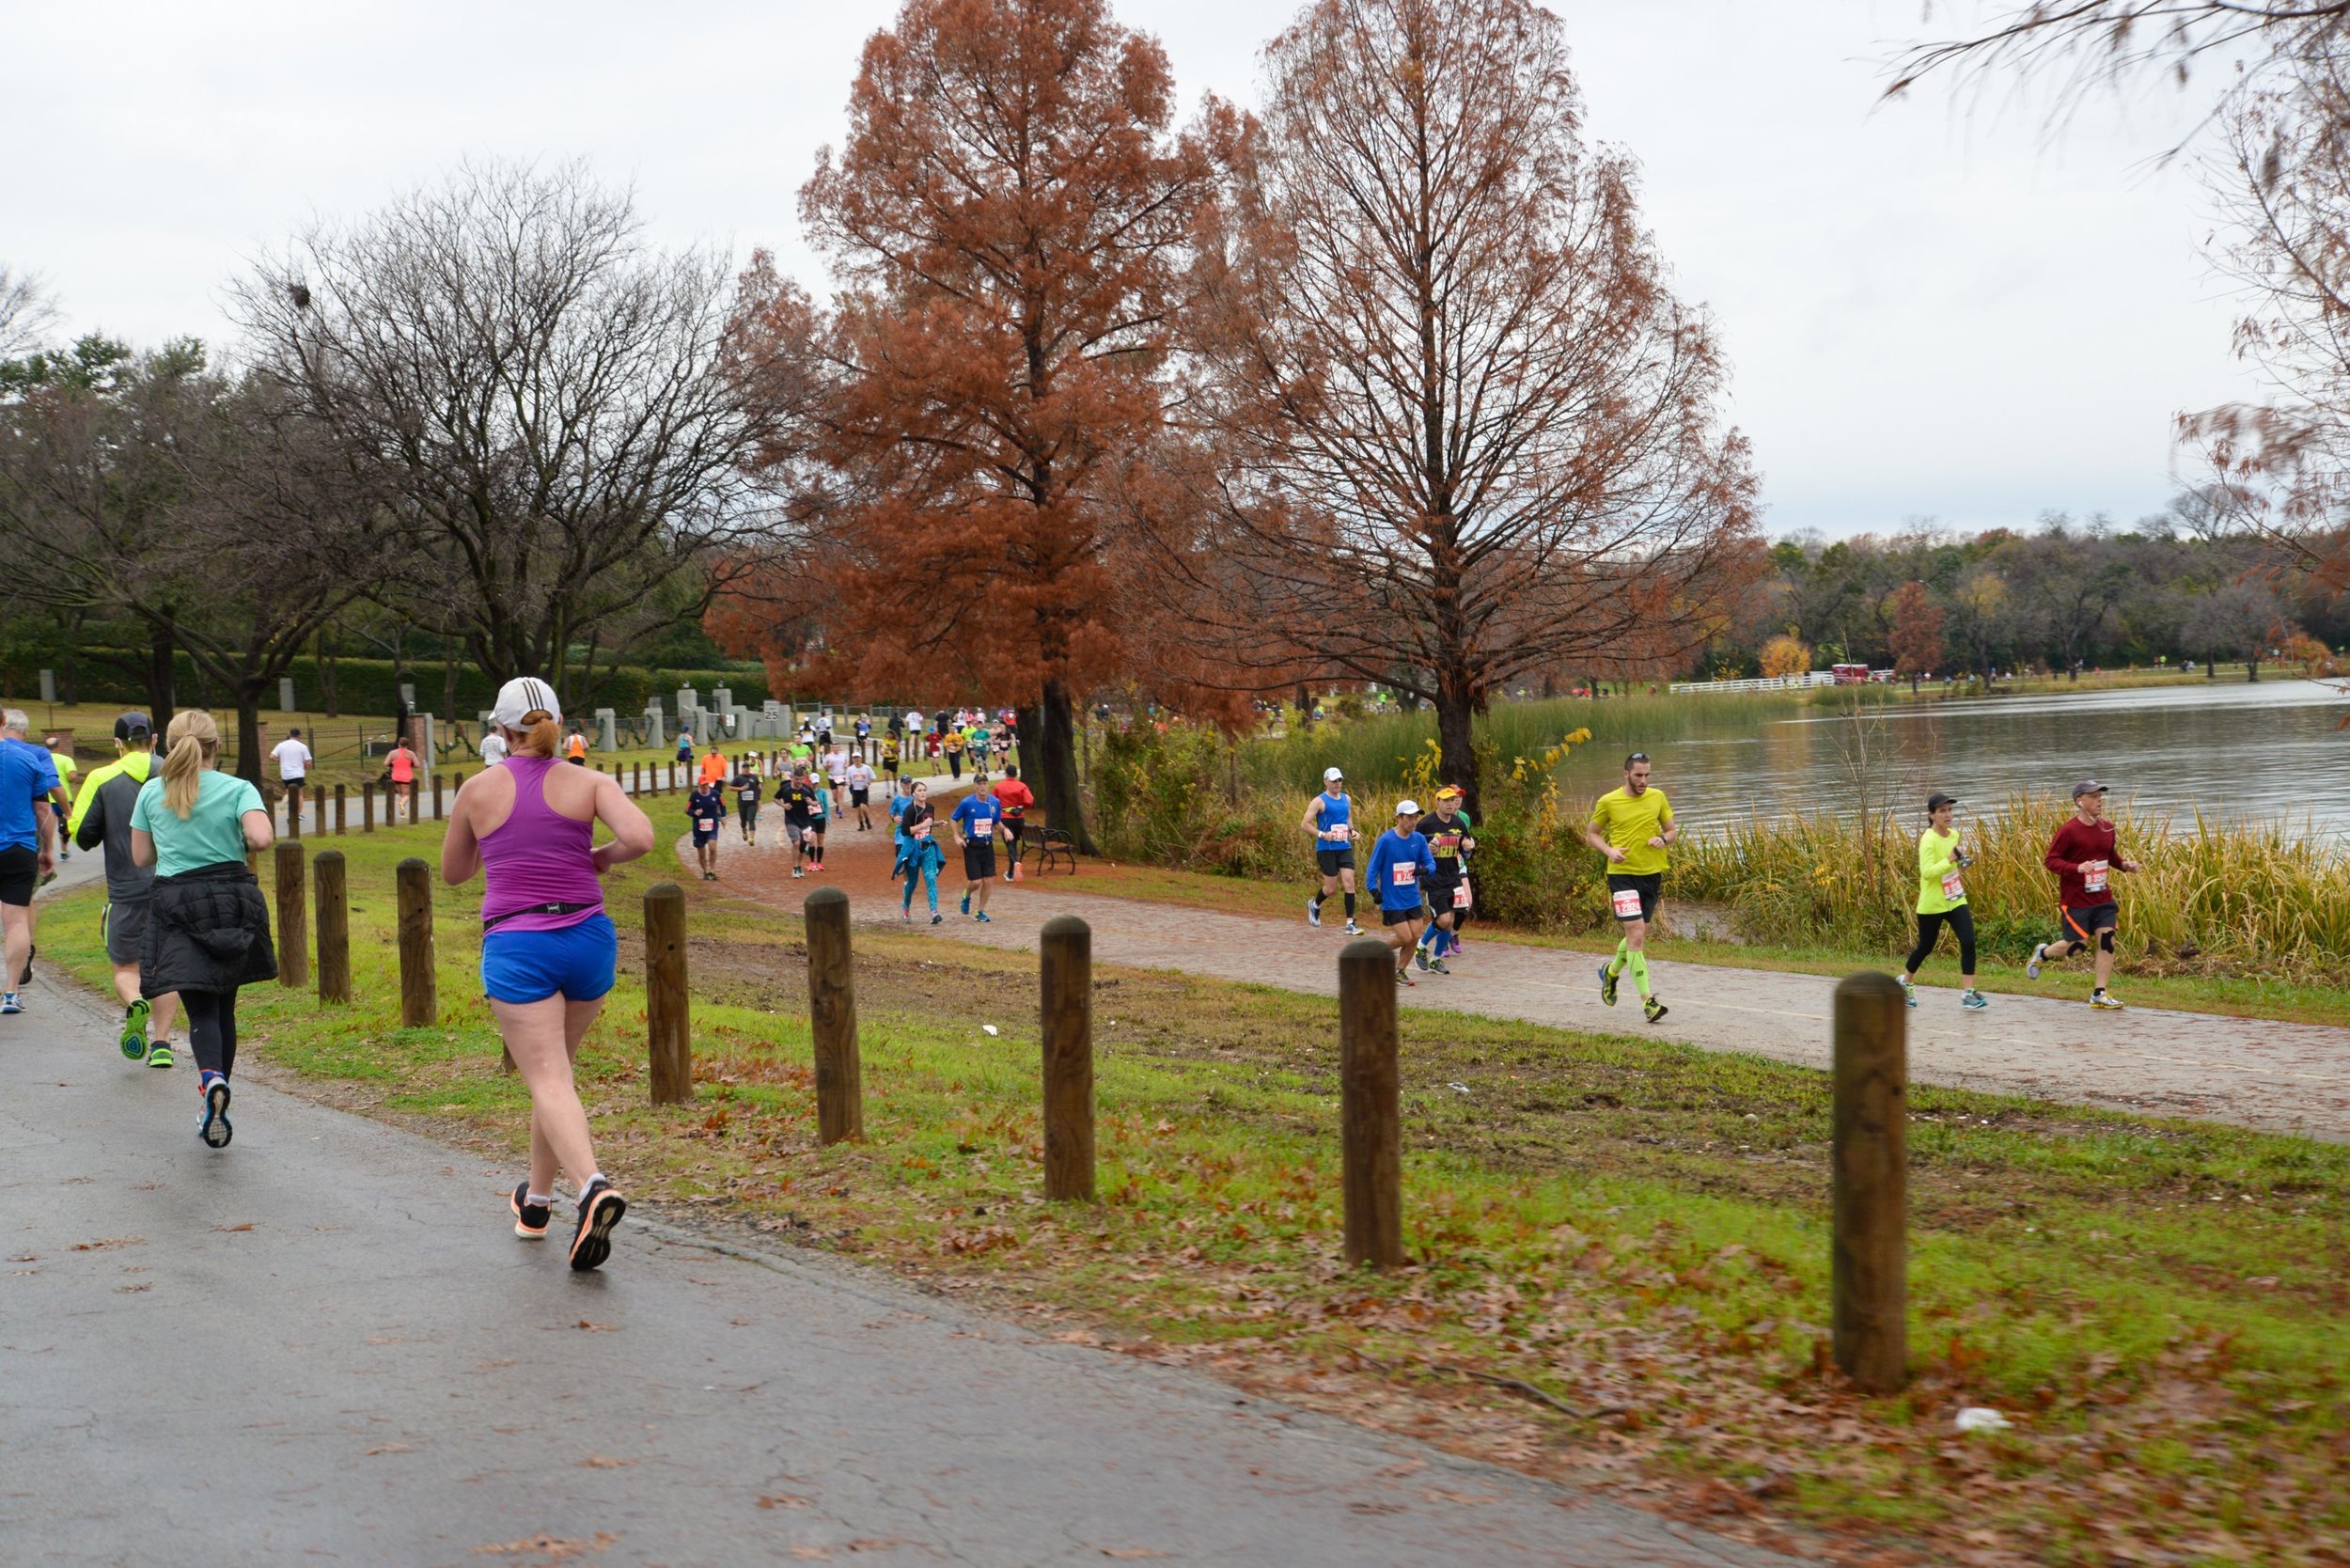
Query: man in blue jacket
[1398, 862]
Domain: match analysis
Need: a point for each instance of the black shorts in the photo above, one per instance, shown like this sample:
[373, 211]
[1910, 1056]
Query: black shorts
[126, 929]
[1332, 861]
[1440, 895]
[979, 860]
[889, 767]
[20, 873]
[860, 797]
[1397, 917]
[2081, 925]
[1648, 887]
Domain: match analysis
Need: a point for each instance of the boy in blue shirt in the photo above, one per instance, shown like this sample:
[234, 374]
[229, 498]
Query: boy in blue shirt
[706, 808]
[977, 819]
[1398, 862]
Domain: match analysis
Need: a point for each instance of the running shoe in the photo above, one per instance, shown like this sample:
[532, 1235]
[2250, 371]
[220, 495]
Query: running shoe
[1313, 913]
[1909, 994]
[133, 1040]
[966, 903]
[1652, 1009]
[1607, 979]
[530, 1219]
[796, 872]
[1974, 1001]
[1403, 977]
[600, 1210]
[936, 916]
[2100, 999]
[214, 1128]
[9, 1002]
[159, 1055]
[1353, 930]
[1437, 964]
[2039, 956]
[1419, 956]
[983, 914]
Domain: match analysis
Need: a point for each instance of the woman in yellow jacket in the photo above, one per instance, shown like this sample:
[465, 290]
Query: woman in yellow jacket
[1942, 902]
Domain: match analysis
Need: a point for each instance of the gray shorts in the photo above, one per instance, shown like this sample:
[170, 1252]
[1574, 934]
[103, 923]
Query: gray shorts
[126, 929]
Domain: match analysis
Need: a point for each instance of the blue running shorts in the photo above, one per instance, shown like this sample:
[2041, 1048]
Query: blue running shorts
[577, 961]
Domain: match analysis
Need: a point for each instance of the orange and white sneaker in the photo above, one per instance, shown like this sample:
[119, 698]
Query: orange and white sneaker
[600, 1210]
[530, 1219]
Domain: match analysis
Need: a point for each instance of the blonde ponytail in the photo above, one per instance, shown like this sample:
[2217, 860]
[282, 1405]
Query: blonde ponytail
[190, 746]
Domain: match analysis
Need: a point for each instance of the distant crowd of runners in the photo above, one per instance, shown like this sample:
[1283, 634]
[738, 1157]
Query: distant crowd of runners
[186, 926]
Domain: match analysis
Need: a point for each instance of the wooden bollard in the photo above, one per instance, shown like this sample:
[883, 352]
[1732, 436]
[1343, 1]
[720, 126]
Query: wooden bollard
[636, 779]
[1869, 1166]
[832, 1014]
[669, 1017]
[367, 805]
[437, 813]
[338, 809]
[1371, 1156]
[293, 811]
[419, 996]
[1067, 945]
[332, 898]
[293, 918]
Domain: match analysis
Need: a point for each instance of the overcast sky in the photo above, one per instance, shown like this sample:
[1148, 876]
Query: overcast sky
[1929, 312]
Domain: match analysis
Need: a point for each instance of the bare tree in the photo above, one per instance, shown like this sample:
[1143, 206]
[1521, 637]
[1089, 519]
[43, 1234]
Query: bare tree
[1459, 428]
[539, 392]
[26, 313]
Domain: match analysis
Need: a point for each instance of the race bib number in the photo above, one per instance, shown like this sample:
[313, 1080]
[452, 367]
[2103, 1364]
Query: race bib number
[1405, 874]
[1952, 885]
[982, 828]
[1460, 895]
[1336, 834]
[921, 830]
[2094, 875]
[1627, 902]
[807, 835]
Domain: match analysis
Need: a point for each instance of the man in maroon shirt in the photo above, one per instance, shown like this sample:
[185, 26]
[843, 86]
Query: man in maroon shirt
[2084, 856]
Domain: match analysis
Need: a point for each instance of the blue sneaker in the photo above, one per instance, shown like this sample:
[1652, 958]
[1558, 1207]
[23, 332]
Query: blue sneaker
[983, 914]
[9, 1002]
[1974, 1001]
[214, 1128]
[966, 903]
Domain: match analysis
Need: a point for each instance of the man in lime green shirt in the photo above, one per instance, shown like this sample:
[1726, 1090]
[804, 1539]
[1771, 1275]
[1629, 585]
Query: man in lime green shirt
[1633, 827]
[61, 799]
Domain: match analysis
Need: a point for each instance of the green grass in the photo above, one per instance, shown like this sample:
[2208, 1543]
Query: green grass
[1638, 1229]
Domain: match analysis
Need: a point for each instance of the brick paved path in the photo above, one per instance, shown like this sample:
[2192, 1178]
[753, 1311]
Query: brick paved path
[2286, 1076]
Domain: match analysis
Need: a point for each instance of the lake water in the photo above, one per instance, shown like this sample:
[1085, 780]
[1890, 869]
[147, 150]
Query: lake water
[2264, 751]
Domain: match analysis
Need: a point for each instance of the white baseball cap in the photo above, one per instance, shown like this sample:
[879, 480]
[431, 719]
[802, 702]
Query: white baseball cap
[522, 695]
[1331, 776]
[1407, 809]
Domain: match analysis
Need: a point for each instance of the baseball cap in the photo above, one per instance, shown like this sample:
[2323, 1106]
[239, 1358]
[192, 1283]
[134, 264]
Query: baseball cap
[1449, 791]
[524, 695]
[1407, 809]
[1331, 776]
[131, 726]
[1937, 801]
[2088, 787]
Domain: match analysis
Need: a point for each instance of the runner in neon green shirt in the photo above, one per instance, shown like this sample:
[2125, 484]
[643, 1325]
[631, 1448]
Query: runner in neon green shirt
[1942, 901]
[1633, 827]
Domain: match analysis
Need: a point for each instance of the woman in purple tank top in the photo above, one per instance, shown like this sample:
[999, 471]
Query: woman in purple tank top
[548, 950]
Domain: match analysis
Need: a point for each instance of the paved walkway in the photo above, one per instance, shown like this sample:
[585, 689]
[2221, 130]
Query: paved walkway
[324, 1343]
[2290, 1077]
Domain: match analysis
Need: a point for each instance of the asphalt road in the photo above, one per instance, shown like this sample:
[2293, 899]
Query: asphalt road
[325, 1344]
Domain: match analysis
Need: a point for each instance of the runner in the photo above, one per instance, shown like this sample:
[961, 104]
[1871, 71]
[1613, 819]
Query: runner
[746, 791]
[2084, 856]
[575, 749]
[1015, 798]
[919, 856]
[836, 774]
[401, 767]
[27, 853]
[102, 817]
[975, 816]
[207, 925]
[61, 800]
[859, 780]
[684, 747]
[818, 818]
[864, 737]
[706, 809]
[1942, 901]
[1399, 860]
[975, 745]
[1330, 818]
[951, 743]
[713, 766]
[890, 760]
[1446, 830]
[293, 766]
[1633, 827]
[493, 748]
[798, 794]
[548, 948]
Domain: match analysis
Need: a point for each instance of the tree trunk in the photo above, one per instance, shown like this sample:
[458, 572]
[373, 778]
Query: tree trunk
[249, 731]
[327, 673]
[163, 677]
[1456, 749]
[1055, 761]
[2251, 669]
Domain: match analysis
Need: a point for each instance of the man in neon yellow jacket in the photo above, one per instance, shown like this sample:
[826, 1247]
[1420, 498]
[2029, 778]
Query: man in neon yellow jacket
[102, 815]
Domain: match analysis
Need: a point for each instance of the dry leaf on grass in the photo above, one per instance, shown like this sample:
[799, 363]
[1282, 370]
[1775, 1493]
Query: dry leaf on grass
[784, 1499]
[555, 1549]
[246, 1226]
[603, 1461]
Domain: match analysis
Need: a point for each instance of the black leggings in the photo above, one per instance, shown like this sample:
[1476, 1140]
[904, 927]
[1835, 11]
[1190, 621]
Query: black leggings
[212, 1029]
[1961, 921]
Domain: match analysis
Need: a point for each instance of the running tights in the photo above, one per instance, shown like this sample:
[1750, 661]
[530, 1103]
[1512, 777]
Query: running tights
[1961, 921]
[212, 1029]
[924, 869]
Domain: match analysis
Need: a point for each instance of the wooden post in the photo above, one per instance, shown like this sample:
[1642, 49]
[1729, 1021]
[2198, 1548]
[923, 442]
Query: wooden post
[419, 999]
[1067, 945]
[367, 805]
[832, 1013]
[293, 812]
[1869, 1166]
[1371, 1155]
[293, 920]
[668, 1018]
[636, 779]
[334, 918]
[340, 810]
[438, 815]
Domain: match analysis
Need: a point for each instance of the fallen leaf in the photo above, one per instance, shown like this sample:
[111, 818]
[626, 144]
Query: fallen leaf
[110, 1241]
[1130, 1554]
[246, 1226]
[554, 1548]
[596, 1327]
[812, 1554]
[784, 1499]
[142, 1286]
[388, 1447]
[605, 1462]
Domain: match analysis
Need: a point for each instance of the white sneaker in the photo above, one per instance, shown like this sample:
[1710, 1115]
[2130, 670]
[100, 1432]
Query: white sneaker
[2100, 999]
[2032, 971]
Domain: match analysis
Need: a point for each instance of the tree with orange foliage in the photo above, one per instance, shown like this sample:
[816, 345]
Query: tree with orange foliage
[1452, 426]
[1008, 213]
[1784, 655]
[1917, 635]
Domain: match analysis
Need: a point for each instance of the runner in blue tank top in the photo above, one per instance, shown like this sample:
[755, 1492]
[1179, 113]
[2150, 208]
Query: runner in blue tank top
[1330, 818]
